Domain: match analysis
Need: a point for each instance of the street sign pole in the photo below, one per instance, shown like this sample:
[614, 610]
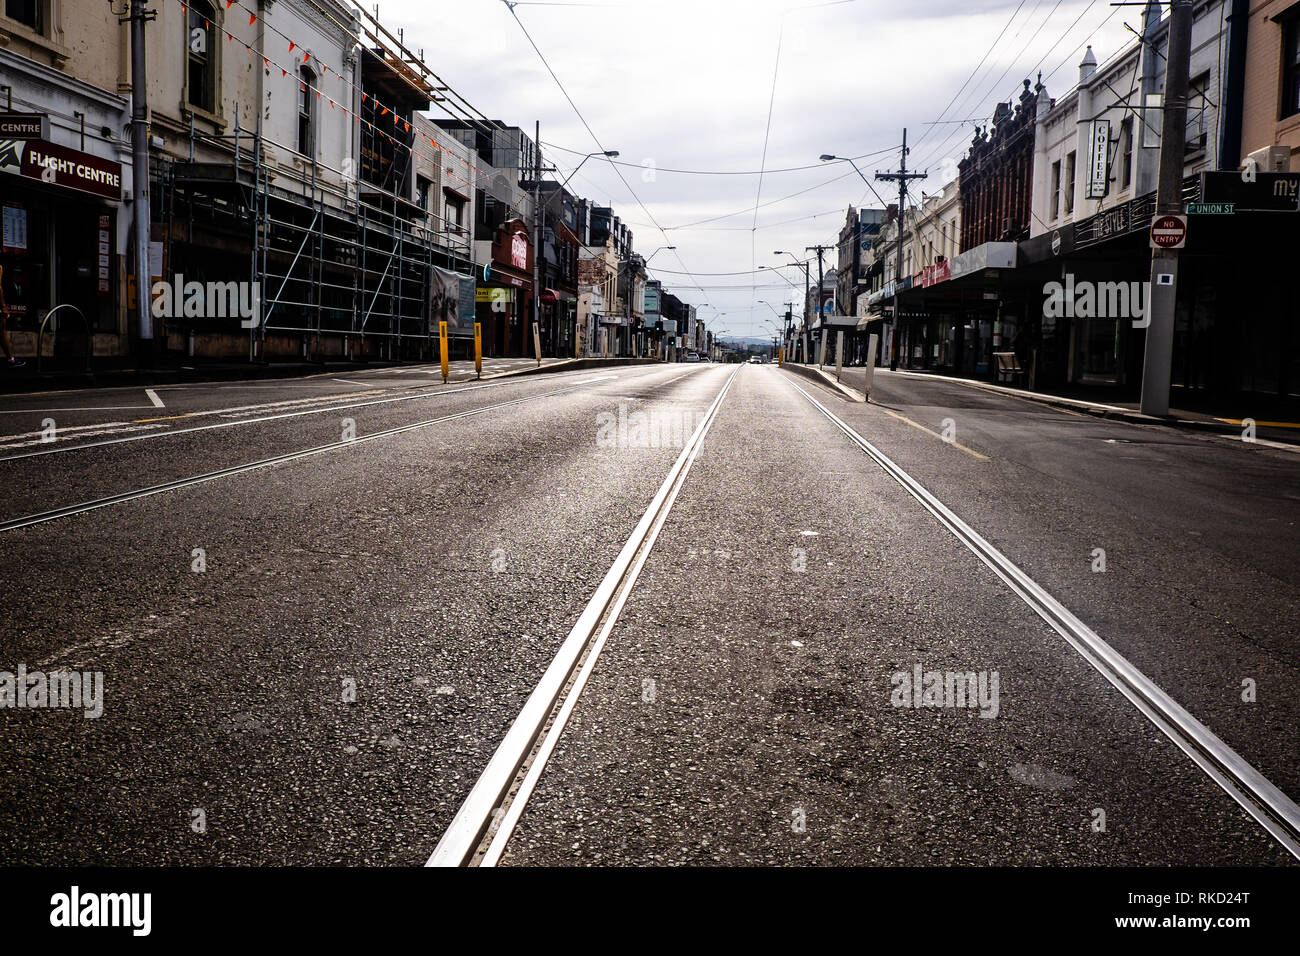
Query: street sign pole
[1158, 362]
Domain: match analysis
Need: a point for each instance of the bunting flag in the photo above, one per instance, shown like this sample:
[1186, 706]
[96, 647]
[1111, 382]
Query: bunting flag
[325, 68]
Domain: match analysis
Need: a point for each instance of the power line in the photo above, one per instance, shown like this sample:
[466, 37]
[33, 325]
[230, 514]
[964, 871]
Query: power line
[724, 172]
[984, 98]
[591, 132]
[992, 46]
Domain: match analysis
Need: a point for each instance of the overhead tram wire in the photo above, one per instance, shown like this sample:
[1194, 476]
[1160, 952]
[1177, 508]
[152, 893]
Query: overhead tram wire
[592, 133]
[767, 131]
[724, 172]
[992, 46]
[1069, 56]
[982, 99]
[947, 144]
[1060, 39]
[770, 202]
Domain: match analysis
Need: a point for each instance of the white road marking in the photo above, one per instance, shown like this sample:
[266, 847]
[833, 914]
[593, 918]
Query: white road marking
[149, 425]
[68, 511]
[51, 411]
[153, 397]
[29, 439]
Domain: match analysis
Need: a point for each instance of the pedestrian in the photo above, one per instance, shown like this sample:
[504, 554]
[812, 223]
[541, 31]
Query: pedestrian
[4, 326]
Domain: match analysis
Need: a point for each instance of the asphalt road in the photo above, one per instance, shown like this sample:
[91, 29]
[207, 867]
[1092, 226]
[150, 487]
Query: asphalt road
[369, 620]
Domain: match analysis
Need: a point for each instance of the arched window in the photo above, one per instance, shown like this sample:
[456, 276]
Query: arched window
[200, 56]
[307, 112]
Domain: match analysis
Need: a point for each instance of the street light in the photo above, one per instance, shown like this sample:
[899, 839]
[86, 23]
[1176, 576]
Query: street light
[656, 252]
[828, 157]
[611, 153]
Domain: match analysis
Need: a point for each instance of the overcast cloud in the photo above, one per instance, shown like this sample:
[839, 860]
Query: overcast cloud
[686, 84]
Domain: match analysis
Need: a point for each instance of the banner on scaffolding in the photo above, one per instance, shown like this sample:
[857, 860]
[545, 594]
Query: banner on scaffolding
[448, 292]
[468, 300]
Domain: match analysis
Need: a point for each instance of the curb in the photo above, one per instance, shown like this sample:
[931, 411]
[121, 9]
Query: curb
[574, 365]
[817, 375]
[1095, 409]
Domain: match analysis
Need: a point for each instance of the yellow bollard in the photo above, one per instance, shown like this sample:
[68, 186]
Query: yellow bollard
[478, 349]
[442, 349]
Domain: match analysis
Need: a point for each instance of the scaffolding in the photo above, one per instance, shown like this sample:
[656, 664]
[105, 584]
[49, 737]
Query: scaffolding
[342, 261]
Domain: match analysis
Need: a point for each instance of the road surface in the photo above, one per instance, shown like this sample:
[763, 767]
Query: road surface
[312, 658]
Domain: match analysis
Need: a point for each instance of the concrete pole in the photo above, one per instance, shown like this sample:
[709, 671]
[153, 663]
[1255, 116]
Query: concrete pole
[140, 171]
[537, 232]
[1158, 363]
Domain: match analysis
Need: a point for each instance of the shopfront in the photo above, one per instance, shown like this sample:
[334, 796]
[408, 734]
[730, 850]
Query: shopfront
[61, 241]
[504, 293]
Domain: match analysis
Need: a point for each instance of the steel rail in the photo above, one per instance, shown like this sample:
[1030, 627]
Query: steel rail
[489, 800]
[25, 521]
[1258, 796]
[436, 390]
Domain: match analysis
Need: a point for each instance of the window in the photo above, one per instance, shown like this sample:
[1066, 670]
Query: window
[1290, 67]
[455, 214]
[1069, 183]
[422, 189]
[1056, 189]
[307, 112]
[200, 51]
[1152, 120]
[30, 13]
[1196, 113]
[1126, 139]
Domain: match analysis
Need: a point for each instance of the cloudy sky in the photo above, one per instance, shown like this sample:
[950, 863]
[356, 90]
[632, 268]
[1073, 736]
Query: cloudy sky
[738, 86]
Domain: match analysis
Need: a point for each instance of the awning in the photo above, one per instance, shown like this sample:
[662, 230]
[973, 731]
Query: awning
[990, 255]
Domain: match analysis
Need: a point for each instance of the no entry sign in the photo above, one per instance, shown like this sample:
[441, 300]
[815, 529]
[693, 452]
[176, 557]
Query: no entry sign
[1169, 232]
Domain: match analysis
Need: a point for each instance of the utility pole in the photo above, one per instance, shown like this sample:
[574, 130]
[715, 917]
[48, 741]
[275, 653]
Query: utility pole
[537, 229]
[138, 16]
[1163, 297]
[902, 177]
[820, 250]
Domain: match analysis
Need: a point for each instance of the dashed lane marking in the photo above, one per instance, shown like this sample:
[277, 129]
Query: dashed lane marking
[904, 418]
